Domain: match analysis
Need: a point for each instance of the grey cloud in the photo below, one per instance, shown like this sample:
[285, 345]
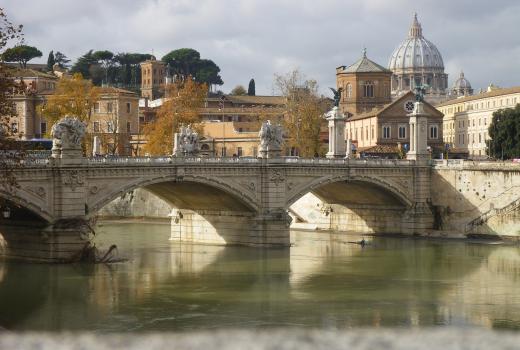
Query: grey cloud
[257, 38]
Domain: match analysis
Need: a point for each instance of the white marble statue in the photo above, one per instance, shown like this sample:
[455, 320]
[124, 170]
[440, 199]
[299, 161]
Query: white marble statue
[271, 139]
[67, 134]
[186, 142]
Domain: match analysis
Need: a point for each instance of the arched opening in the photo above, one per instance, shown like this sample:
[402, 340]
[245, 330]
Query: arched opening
[21, 224]
[359, 206]
[199, 211]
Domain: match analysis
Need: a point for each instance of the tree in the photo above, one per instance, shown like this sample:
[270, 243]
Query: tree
[129, 71]
[181, 106]
[50, 61]
[61, 60]
[239, 90]
[106, 59]
[251, 91]
[83, 65]
[21, 54]
[8, 87]
[303, 118]
[187, 62]
[73, 96]
[504, 132]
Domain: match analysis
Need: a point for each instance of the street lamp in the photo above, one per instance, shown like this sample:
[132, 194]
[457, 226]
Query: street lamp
[6, 212]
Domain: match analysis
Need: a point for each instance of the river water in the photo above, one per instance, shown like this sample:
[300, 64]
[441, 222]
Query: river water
[323, 281]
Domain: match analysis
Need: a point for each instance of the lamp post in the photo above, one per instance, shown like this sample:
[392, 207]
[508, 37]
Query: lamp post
[298, 124]
[221, 105]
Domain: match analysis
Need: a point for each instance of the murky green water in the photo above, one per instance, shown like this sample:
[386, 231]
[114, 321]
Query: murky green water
[323, 281]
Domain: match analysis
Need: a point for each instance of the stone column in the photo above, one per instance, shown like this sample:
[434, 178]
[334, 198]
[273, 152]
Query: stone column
[336, 121]
[418, 219]
[418, 134]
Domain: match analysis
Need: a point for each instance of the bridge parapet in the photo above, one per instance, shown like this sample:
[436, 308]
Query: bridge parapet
[166, 160]
[475, 165]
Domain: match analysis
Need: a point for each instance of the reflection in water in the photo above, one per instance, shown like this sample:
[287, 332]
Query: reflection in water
[322, 281]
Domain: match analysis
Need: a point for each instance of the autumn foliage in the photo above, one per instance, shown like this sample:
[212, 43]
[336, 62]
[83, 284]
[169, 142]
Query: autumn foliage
[181, 106]
[303, 119]
[73, 96]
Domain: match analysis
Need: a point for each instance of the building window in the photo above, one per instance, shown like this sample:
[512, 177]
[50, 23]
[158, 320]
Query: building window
[96, 107]
[239, 151]
[110, 126]
[386, 132]
[479, 138]
[14, 127]
[128, 127]
[433, 132]
[110, 107]
[96, 126]
[128, 107]
[366, 132]
[485, 121]
[349, 90]
[368, 89]
[372, 133]
[43, 128]
[402, 131]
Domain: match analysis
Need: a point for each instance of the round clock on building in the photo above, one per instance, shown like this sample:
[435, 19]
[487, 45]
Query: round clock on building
[408, 106]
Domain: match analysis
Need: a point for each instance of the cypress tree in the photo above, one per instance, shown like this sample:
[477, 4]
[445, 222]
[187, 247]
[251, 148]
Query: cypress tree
[50, 61]
[251, 88]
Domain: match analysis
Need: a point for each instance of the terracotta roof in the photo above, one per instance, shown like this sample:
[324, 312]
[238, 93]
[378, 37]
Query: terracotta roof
[379, 149]
[364, 65]
[492, 93]
[256, 100]
[114, 90]
[17, 72]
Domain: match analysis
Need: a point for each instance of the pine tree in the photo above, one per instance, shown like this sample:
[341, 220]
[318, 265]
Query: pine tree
[251, 88]
[50, 61]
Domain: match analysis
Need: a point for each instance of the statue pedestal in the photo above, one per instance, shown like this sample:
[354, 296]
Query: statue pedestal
[337, 147]
[418, 134]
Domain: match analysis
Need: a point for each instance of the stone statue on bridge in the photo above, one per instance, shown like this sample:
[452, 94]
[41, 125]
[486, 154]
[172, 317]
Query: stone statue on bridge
[271, 140]
[186, 142]
[67, 136]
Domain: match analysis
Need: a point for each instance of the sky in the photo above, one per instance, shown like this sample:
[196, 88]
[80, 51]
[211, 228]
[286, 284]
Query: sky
[259, 38]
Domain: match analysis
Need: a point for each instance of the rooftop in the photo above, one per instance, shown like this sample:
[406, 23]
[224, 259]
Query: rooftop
[364, 65]
[492, 93]
[18, 72]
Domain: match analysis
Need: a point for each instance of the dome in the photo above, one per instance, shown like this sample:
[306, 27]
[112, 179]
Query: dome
[416, 52]
[462, 83]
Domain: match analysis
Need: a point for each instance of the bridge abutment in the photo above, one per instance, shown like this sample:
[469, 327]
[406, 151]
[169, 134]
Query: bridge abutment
[61, 242]
[219, 227]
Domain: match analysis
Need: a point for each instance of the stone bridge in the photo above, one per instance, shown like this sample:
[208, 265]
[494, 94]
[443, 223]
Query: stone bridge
[224, 200]
[246, 201]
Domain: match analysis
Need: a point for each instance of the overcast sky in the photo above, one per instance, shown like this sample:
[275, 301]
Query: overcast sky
[258, 38]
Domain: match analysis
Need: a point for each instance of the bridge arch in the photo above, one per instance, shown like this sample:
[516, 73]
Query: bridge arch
[231, 197]
[361, 204]
[382, 185]
[25, 200]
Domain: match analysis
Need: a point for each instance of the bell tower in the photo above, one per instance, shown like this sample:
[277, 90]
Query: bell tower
[153, 75]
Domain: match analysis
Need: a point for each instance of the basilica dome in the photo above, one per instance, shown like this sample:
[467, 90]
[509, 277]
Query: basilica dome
[417, 61]
[462, 86]
[415, 51]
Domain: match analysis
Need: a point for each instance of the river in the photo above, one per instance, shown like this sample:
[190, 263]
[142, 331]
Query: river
[322, 281]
